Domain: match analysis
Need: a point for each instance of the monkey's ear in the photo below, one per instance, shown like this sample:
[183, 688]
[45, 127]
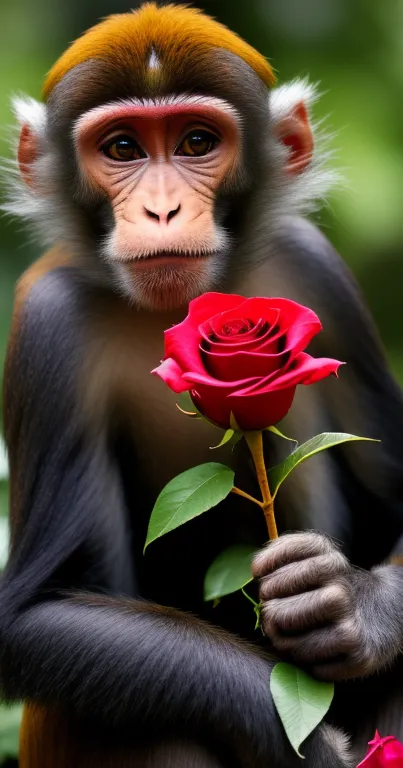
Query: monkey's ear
[27, 152]
[31, 116]
[294, 131]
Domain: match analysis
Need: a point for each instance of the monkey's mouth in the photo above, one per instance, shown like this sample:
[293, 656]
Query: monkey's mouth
[166, 259]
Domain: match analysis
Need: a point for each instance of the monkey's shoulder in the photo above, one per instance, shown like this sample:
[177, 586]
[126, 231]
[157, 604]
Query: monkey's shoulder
[303, 265]
[44, 327]
[304, 246]
[55, 258]
[45, 306]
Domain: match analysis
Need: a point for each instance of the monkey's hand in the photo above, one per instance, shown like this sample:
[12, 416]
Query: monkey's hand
[323, 614]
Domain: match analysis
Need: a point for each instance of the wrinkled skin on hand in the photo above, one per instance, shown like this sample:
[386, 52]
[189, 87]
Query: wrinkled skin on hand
[320, 612]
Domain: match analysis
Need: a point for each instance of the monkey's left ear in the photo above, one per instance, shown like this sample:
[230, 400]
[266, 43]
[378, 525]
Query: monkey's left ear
[294, 131]
[27, 152]
[31, 116]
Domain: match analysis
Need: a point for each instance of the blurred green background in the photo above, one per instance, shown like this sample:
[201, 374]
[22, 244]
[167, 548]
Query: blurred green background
[352, 47]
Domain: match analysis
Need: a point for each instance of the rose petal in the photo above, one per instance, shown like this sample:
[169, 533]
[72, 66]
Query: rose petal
[170, 372]
[245, 342]
[305, 370]
[212, 303]
[249, 364]
[261, 410]
[384, 752]
[213, 403]
[252, 413]
[270, 316]
[195, 378]
[292, 313]
[211, 396]
[261, 307]
[182, 340]
[299, 336]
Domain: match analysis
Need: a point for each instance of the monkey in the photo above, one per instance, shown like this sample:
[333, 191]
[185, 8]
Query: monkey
[162, 164]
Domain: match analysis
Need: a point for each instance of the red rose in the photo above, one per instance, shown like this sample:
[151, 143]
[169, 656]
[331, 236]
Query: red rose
[243, 355]
[383, 753]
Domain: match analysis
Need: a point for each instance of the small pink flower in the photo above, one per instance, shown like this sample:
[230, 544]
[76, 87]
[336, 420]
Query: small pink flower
[383, 753]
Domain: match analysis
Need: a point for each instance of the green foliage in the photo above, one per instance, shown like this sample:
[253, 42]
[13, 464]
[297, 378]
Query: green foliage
[278, 474]
[187, 496]
[10, 719]
[229, 572]
[301, 701]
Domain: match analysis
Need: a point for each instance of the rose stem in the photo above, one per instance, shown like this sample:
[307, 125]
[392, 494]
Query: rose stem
[239, 492]
[255, 444]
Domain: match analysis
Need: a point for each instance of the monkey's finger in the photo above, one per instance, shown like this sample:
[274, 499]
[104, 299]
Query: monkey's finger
[323, 646]
[295, 578]
[305, 611]
[290, 548]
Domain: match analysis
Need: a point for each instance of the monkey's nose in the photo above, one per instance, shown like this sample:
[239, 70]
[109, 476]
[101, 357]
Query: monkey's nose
[161, 216]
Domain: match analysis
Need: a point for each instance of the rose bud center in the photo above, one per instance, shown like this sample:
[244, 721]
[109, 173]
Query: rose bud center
[235, 327]
[238, 348]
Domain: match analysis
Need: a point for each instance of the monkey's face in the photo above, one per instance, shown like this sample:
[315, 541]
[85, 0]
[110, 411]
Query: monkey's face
[151, 153]
[161, 164]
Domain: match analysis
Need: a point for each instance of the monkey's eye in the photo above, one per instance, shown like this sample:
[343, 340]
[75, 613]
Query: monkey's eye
[197, 143]
[124, 149]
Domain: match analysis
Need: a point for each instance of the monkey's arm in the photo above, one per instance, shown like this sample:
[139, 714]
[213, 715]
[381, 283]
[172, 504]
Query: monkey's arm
[365, 400]
[124, 662]
[319, 609]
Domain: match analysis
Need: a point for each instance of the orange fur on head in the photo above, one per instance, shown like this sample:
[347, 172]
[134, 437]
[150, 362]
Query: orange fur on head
[177, 31]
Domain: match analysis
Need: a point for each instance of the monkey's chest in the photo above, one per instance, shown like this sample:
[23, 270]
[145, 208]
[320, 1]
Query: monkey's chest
[163, 443]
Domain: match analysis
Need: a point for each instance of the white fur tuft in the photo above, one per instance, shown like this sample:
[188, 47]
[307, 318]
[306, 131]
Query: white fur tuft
[284, 98]
[305, 192]
[42, 204]
[29, 111]
[338, 740]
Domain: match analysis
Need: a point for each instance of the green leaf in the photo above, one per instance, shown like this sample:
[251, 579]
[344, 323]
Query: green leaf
[227, 437]
[187, 496]
[301, 701]
[278, 474]
[229, 572]
[10, 718]
[280, 434]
